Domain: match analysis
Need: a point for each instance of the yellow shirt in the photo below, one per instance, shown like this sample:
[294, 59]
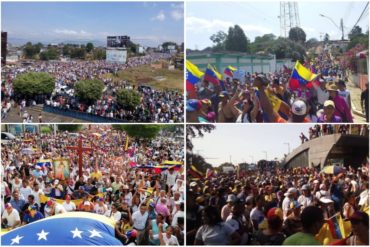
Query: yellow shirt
[96, 175]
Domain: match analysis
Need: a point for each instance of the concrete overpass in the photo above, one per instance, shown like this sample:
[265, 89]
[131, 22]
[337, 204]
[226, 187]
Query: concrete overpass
[349, 149]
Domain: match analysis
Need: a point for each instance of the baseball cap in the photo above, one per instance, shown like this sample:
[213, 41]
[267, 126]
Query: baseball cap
[290, 191]
[305, 187]
[299, 108]
[224, 94]
[8, 205]
[33, 207]
[193, 184]
[193, 105]
[329, 103]
[326, 200]
[206, 101]
[231, 198]
[274, 212]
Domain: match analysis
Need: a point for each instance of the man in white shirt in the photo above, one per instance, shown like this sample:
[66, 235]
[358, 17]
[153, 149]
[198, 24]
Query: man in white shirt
[171, 177]
[113, 213]
[179, 212]
[11, 216]
[289, 197]
[140, 219]
[68, 205]
[36, 192]
[25, 190]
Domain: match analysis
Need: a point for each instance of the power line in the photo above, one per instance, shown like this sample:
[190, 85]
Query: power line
[359, 19]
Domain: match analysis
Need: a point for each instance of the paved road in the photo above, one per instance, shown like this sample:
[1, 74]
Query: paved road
[13, 116]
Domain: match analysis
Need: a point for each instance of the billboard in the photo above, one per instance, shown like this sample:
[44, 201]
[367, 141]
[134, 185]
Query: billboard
[116, 55]
[118, 41]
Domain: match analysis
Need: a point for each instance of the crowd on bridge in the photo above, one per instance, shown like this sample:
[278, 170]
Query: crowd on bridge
[144, 203]
[276, 206]
[155, 105]
[275, 97]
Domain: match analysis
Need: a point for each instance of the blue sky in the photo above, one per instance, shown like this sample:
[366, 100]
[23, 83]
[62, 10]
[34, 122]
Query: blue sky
[257, 18]
[148, 23]
[241, 142]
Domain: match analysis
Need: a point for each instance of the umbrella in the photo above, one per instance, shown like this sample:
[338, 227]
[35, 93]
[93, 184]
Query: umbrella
[27, 151]
[335, 170]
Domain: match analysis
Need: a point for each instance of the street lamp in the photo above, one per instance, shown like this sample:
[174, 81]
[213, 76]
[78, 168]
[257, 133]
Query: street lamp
[287, 143]
[341, 28]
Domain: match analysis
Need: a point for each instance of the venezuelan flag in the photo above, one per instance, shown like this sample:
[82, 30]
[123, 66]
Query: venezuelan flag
[301, 76]
[44, 162]
[193, 76]
[212, 75]
[74, 228]
[229, 70]
[194, 172]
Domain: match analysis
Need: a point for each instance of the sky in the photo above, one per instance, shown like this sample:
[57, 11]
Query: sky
[247, 143]
[147, 23]
[257, 18]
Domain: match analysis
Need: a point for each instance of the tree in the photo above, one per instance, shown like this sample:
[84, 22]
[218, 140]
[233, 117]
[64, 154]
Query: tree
[66, 51]
[297, 34]
[219, 39]
[326, 38]
[89, 91]
[78, 53]
[30, 51]
[236, 40]
[356, 31]
[262, 43]
[51, 54]
[198, 161]
[31, 84]
[128, 99]
[312, 42]
[69, 127]
[139, 130]
[99, 54]
[89, 47]
[45, 129]
[196, 131]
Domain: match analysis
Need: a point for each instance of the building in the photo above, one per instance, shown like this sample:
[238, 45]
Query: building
[118, 41]
[241, 61]
[348, 150]
[4, 44]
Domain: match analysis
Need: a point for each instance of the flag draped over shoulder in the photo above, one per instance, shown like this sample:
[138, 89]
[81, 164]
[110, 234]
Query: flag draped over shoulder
[212, 75]
[334, 229]
[229, 70]
[193, 76]
[193, 171]
[74, 228]
[301, 76]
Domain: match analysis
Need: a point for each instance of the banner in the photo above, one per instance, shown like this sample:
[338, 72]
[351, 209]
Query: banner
[61, 168]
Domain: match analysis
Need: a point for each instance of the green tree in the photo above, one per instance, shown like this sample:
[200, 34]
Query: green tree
[312, 42]
[236, 40]
[145, 131]
[89, 91]
[262, 43]
[197, 130]
[69, 127]
[44, 129]
[78, 53]
[31, 84]
[89, 47]
[356, 31]
[326, 38]
[30, 50]
[297, 34]
[99, 54]
[128, 99]
[66, 51]
[219, 39]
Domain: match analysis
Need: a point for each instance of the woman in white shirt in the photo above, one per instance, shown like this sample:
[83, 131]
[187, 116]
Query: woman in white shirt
[166, 238]
[68, 205]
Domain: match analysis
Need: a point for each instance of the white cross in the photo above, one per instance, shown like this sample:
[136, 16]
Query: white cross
[42, 235]
[16, 240]
[77, 233]
[95, 233]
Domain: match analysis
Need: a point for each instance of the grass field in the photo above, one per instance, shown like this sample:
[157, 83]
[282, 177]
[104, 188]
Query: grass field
[146, 75]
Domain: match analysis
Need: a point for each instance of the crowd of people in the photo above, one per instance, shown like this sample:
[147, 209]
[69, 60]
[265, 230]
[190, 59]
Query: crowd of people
[146, 204]
[268, 97]
[155, 106]
[278, 206]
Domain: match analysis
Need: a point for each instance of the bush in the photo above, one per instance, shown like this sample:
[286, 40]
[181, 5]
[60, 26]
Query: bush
[89, 91]
[128, 99]
[45, 129]
[33, 83]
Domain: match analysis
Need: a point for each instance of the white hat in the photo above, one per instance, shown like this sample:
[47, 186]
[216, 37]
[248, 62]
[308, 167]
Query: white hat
[316, 181]
[290, 191]
[193, 184]
[56, 181]
[325, 200]
[231, 198]
[299, 108]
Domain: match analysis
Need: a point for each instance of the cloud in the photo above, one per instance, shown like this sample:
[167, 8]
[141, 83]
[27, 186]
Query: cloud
[74, 33]
[177, 6]
[177, 14]
[160, 17]
[200, 25]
